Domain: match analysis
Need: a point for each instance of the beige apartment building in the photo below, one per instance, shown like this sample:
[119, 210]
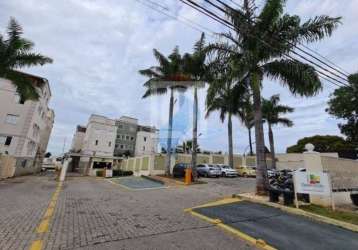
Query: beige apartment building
[104, 142]
[25, 127]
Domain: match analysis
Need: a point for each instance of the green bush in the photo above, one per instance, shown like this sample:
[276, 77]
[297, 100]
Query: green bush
[118, 172]
[100, 173]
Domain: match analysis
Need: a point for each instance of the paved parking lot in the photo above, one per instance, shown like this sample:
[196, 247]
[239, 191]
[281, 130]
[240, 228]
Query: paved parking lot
[92, 213]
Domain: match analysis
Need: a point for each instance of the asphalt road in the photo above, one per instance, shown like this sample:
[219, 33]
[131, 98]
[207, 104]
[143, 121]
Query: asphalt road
[280, 229]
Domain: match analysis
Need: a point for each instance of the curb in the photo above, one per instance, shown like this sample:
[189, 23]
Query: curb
[301, 212]
[153, 179]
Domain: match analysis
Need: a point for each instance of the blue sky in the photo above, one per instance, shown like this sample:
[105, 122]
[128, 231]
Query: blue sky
[99, 46]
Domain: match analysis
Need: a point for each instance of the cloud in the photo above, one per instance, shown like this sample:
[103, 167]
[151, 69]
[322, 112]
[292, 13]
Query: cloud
[99, 46]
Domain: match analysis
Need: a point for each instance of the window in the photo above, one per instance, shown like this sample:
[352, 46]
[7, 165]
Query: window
[8, 140]
[2, 140]
[143, 148]
[122, 146]
[31, 147]
[11, 119]
[118, 136]
[132, 138]
[127, 137]
[109, 144]
[35, 130]
[96, 142]
[145, 138]
[122, 137]
[120, 126]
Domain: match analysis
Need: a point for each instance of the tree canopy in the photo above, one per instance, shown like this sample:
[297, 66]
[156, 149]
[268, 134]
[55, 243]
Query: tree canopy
[322, 143]
[343, 104]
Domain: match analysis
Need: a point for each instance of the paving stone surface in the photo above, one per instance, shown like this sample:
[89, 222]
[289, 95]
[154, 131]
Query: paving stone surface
[92, 213]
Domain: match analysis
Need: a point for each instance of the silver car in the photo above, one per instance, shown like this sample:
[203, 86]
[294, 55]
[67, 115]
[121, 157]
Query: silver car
[227, 171]
[208, 170]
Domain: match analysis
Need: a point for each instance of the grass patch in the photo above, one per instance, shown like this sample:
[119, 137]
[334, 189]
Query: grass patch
[349, 217]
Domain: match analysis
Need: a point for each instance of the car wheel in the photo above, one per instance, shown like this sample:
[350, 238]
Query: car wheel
[223, 174]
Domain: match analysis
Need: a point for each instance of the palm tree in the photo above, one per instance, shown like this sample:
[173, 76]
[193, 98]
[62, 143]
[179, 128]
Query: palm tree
[271, 112]
[168, 75]
[261, 41]
[194, 65]
[246, 117]
[16, 53]
[225, 95]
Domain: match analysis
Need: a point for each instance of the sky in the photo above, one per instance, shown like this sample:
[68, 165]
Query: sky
[98, 46]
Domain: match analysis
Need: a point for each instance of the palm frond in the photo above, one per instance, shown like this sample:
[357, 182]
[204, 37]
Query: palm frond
[301, 78]
[317, 28]
[154, 91]
[31, 59]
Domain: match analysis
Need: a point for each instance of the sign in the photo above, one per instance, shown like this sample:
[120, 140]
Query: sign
[312, 183]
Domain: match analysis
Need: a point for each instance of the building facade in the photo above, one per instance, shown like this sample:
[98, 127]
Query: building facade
[25, 127]
[126, 136]
[146, 141]
[104, 142]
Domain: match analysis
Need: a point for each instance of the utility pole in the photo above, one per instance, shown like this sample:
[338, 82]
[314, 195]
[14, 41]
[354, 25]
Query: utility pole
[64, 144]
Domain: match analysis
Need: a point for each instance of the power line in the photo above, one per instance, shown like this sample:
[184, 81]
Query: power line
[229, 25]
[186, 21]
[319, 60]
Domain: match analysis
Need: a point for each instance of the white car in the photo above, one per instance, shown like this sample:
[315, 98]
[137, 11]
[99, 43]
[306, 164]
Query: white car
[227, 171]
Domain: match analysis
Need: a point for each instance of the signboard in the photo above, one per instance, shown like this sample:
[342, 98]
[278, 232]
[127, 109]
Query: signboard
[316, 183]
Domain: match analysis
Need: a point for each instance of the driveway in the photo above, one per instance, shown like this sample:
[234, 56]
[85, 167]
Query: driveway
[92, 213]
[280, 229]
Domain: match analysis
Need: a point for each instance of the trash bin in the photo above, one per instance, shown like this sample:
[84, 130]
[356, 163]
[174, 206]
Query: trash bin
[188, 174]
[274, 195]
[288, 198]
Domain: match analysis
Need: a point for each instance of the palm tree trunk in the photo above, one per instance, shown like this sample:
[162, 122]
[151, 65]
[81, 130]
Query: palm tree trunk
[261, 170]
[195, 133]
[170, 129]
[250, 142]
[231, 151]
[272, 146]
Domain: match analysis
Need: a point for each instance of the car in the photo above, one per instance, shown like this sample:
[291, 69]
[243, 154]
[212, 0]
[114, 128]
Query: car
[179, 170]
[208, 170]
[227, 171]
[246, 171]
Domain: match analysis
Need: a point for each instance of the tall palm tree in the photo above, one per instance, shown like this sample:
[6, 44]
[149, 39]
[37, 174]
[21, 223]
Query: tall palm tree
[226, 96]
[261, 41]
[246, 117]
[271, 112]
[16, 53]
[168, 75]
[194, 65]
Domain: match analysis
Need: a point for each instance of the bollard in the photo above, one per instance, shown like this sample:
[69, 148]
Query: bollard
[188, 173]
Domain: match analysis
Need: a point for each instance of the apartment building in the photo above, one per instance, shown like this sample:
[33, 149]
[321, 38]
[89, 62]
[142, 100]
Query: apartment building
[25, 127]
[126, 136]
[146, 140]
[104, 141]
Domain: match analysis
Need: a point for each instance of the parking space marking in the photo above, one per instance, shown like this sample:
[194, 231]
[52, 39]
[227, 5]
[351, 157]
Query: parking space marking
[44, 225]
[36, 245]
[257, 242]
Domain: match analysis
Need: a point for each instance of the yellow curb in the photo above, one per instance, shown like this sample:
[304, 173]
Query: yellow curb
[49, 212]
[219, 202]
[257, 242]
[36, 245]
[52, 204]
[43, 227]
[301, 212]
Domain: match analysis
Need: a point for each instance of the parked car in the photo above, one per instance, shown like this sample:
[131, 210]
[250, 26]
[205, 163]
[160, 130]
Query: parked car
[179, 169]
[208, 170]
[247, 171]
[227, 171]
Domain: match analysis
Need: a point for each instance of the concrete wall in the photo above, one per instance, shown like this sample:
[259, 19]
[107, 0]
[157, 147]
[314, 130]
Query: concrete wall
[343, 172]
[146, 143]
[7, 166]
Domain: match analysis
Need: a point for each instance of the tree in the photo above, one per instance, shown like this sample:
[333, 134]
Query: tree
[343, 104]
[16, 53]
[195, 67]
[168, 75]
[271, 112]
[322, 143]
[246, 116]
[225, 95]
[260, 41]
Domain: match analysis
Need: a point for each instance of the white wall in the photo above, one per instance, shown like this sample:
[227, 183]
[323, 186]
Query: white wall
[30, 113]
[77, 141]
[146, 143]
[102, 130]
